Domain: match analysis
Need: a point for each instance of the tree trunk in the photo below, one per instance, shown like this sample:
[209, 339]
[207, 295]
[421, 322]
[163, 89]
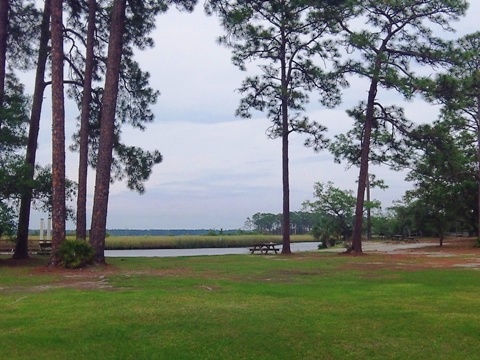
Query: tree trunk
[285, 165]
[4, 9]
[21, 246]
[369, 211]
[362, 178]
[81, 233]
[478, 166]
[107, 127]
[58, 133]
[286, 195]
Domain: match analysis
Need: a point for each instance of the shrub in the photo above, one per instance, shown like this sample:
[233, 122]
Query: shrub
[75, 254]
[326, 236]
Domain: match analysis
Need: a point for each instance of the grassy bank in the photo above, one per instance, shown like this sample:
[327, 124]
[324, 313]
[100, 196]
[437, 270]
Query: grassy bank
[307, 306]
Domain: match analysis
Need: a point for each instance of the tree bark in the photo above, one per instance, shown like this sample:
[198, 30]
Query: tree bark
[58, 133]
[369, 212]
[81, 233]
[286, 195]
[362, 178]
[478, 166]
[4, 9]
[21, 246]
[285, 163]
[107, 127]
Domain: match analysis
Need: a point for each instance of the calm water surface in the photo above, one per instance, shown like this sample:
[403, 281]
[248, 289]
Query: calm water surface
[295, 247]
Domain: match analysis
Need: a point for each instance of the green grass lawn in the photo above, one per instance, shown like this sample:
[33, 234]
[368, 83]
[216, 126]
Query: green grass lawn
[305, 306]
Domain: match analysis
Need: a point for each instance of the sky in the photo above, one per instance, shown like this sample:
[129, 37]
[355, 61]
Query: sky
[219, 169]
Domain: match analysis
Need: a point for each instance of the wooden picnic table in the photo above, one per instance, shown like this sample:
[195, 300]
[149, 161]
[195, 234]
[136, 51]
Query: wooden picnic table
[45, 247]
[409, 238]
[6, 246]
[264, 248]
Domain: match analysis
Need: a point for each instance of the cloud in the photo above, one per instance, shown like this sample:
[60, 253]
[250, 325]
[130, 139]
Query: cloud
[194, 74]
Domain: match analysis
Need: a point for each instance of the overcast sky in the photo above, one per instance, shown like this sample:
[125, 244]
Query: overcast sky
[218, 169]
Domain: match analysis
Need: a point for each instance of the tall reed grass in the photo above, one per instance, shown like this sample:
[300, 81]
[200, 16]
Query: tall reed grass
[194, 241]
[183, 242]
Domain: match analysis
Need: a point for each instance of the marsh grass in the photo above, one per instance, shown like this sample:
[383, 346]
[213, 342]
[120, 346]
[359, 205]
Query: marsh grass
[315, 306]
[193, 241]
[184, 242]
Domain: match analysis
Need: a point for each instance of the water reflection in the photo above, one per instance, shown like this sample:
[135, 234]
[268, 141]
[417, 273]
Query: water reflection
[295, 247]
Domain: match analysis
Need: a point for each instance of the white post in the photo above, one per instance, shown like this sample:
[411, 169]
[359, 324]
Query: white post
[41, 229]
[49, 229]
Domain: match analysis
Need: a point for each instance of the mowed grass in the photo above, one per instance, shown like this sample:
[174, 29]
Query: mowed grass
[305, 306]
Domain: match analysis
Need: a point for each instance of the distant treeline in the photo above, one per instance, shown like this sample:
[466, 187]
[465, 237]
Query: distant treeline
[172, 232]
[158, 232]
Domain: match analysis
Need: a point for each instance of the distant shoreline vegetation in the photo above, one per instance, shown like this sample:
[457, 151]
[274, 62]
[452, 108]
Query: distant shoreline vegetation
[160, 232]
[172, 232]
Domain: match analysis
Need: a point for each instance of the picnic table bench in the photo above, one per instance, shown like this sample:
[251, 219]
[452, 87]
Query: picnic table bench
[45, 247]
[6, 246]
[264, 248]
[409, 238]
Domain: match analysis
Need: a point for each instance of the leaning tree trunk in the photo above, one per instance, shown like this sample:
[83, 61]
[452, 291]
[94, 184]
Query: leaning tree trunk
[362, 178]
[58, 133]
[21, 246]
[84, 126]
[107, 127]
[369, 211]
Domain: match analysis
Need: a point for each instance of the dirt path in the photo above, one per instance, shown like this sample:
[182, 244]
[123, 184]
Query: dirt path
[455, 252]
[387, 247]
[454, 246]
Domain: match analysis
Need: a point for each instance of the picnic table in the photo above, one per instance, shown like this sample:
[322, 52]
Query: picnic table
[6, 246]
[45, 247]
[409, 238]
[264, 248]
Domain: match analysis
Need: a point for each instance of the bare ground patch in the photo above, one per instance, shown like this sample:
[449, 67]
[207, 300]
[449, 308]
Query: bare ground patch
[455, 253]
[92, 277]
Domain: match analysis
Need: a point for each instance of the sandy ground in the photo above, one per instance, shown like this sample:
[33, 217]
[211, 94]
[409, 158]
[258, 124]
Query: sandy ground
[388, 247]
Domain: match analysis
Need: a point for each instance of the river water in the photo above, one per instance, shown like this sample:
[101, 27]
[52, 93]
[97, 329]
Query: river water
[295, 247]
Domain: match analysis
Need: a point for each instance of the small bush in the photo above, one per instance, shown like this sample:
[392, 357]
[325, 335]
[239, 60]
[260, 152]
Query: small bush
[325, 236]
[75, 254]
